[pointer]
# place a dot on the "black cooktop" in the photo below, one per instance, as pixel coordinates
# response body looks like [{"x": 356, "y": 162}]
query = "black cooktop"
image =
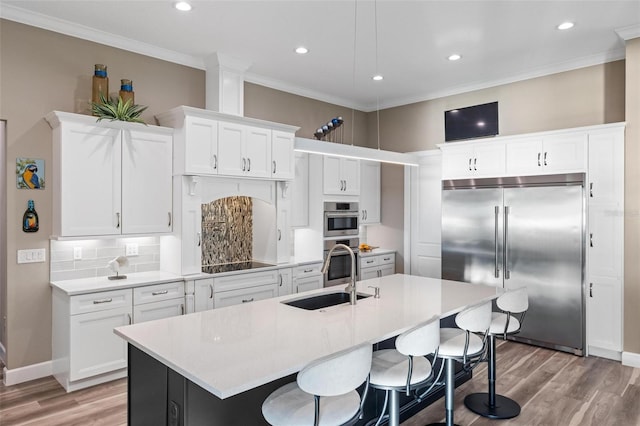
[{"x": 235, "y": 266}]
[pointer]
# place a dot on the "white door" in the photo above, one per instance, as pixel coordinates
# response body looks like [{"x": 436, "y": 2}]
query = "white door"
[
  {"x": 604, "y": 325},
  {"x": 257, "y": 151},
  {"x": 300, "y": 191},
  {"x": 191, "y": 250},
  {"x": 457, "y": 162},
  {"x": 90, "y": 176},
  {"x": 370, "y": 192},
  {"x": 604, "y": 241},
  {"x": 489, "y": 160},
  {"x": 524, "y": 157},
  {"x": 146, "y": 182},
  {"x": 332, "y": 180},
  {"x": 158, "y": 310},
  {"x": 282, "y": 159},
  {"x": 606, "y": 167},
  {"x": 283, "y": 231},
  {"x": 350, "y": 173},
  {"x": 95, "y": 348},
  {"x": 368, "y": 273},
  {"x": 565, "y": 153},
  {"x": 285, "y": 281},
  {"x": 230, "y": 149},
  {"x": 201, "y": 146},
  {"x": 203, "y": 291},
  {"x": 387, "y": 270},
  {"x": 308, "y": 283}
]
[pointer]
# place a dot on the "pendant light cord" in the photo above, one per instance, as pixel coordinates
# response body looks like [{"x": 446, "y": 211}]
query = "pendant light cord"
[
  {"x": 355, "y": 35},
  {"x": 375, "y": 14}
]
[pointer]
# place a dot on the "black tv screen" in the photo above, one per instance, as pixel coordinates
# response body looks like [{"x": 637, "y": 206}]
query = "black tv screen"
[{"x": 471, "y": 122}]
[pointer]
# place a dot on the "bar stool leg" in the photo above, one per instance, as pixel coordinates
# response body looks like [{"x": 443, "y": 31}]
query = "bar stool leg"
[
  {"x": 448, "y": 393},
  {"x": 489, "y": 404},
  {"x": 394, "y": 408}
]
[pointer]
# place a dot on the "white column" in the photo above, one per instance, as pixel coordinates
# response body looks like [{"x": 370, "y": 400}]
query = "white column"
[{"x": 225, "y": 84}]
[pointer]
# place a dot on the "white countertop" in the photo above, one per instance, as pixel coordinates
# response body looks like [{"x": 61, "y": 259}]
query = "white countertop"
[
  {"x": 375, "y": 252},
  {"x": 231, "y": 350},
  {"x": 96, "y": 284}
]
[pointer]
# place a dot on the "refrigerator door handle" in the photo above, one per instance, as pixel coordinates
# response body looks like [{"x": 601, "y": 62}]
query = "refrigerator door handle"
[
  {"x": 507, "y": 274},
  {"x": 497, "y": 213}
]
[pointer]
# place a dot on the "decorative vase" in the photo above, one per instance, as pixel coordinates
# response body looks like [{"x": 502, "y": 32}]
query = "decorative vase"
[
  {"x": 100, "y": 83},
  {"x": 126, "y": 91}
]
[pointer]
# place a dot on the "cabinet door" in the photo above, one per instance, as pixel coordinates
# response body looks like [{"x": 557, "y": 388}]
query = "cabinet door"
[
  {"x": 158, "y": 310},
  {"x": 201, "y": 146},
  {"x": 489, "y": 160},
  {"x": 90, "y": 180},
  {"x": 191, "y": 235},
  {"x": 524, "y": 157},
  {"x": 606, "y": 167},
  {"x": 230, "y": 149},
  {"x": 257, "y": 152},
  {"x": 308, "y": 283},
  {"x": 245, "y": 295},
  {"x": 604, "y": 319},
  {"x": 370, "y": 192},
  {"x": 350, "y": 173},
  {"x": 565, "y": 153},
  {"x": 95, "y": 349},
  {"x": 457, "y": 162},
  {"x": 387, "y": 270},
  {"x": 332, "y": 180},
  {"x": 285, "y": 283},
  {"x": 605, "y": 241},
  {"x": 203, "y": 295},
  {"x": 368, "y": 273},
  {"x": 282, "y": 159},
  {"x": 146, "y": 182},
  {"x": 283, "y": 231},
  {"x": 300, "y": 192}
]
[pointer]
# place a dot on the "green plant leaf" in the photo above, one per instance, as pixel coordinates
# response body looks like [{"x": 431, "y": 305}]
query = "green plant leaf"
[{"x": 116, "y": 109}]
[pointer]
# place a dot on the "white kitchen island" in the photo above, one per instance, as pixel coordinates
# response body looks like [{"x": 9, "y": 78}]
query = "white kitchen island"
[{"x": 239, "y": 353}]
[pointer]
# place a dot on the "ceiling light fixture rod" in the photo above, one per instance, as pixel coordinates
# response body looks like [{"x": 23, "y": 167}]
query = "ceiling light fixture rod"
[
  {"x": 375, "y": 17},
  {"x": 355, "y": 36}
]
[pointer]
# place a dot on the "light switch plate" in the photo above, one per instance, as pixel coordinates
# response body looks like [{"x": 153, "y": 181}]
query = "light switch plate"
[
  {"x": 31, "y": 256},
  {"x": 131, "y": 249}
]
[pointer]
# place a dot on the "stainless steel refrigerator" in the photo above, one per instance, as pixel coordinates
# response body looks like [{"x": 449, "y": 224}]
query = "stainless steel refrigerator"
[{"x": 522, "y": 232}]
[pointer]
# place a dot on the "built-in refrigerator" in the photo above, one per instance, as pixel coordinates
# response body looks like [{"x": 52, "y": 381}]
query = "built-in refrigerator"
[{"x": 522, "y": 232}]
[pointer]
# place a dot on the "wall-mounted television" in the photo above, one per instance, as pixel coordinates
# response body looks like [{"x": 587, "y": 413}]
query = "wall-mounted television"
[{"x": 476, "y": 121}]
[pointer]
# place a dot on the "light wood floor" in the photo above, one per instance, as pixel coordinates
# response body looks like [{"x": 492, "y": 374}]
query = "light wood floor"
[{"x": 553, "y": 388}]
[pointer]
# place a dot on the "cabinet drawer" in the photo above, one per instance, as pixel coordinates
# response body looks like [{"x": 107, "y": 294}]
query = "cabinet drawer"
[
  {"x": 155, "y": 293},
  {"x": 158, "y": 310},
  {"x": 240, "y": 281},
  {"x": 387, "y": 259},
  {"x": 305, "y": 270},
  {"x": 94, "y": 302},
  {"x": 369, "y": 261},
  {"x": 245, "y": 295}
]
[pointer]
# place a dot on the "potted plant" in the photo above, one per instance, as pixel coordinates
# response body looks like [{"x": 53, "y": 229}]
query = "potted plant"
[{"x": 116, "y": 109}]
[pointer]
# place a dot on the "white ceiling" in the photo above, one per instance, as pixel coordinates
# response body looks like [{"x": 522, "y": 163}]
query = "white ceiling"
[{"x": 500, "y": 41}]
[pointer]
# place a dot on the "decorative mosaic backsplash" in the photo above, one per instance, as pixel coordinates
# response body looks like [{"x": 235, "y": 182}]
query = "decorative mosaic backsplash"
[{"x": 227, "y": 230}]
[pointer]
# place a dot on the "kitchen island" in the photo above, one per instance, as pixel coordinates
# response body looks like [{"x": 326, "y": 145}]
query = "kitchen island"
[{"x": 217, "y": 366}]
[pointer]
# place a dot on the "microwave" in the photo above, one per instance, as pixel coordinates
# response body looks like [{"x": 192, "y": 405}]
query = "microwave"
[{"x": 341, "y": 219}]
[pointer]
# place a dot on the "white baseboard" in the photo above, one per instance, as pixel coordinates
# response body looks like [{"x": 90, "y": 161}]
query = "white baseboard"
[
  {"x": 631, "y": 359},
  {"x": 25, "y": 374},
  {"x": 604, "y": 353}
]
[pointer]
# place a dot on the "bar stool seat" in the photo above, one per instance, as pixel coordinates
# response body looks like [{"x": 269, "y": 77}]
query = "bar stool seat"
[
  {"x": 324, "y": 392},
  {"x": 452, "y": 343}
]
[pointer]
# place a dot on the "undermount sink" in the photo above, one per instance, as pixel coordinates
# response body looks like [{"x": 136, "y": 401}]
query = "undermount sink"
[{"x": 325, "y": 300}]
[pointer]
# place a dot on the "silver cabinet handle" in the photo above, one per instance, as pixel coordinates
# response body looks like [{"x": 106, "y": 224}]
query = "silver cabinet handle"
[
  {"x": 247, "y": 300},
  {"x": 362, "y": 214},
  {"x": 470, "y": 164},
  {"x": 129, "y": 318},
  {"x": 591, "y": 239},
  {"x": 97, "y": 302},
  {"x": 181, "y": 309},
  {"x": 169, "y": 219},
  {"x": 215, "y": 161},
  {"x": 210, "y": 291},
  {"x": 199, "y": 240},
  {"x": 507, "y": 273},
  {"x": 539, "y": 154},
  {"x": 545, "y": 159},
  {"x": 306, "y": 271},
  {"x": 244, "y": 164},
  {"x": 279, "y": 235},
  {"x": 366, "y": 214},
  {"x": 369, "y": 261},
  {"x": 118, "y": 220},
  {"x": 274, "y": 166},
  {"x": 495, "y": 239},
  {"x": 345, "y": 185},
  {"x": 248, "y": 164},
  {"x": 158, "y": 293},
  {"x": 280, "y": 285},
  {"x": 591, "y": 190},
  {"x": 590, "y": 289},
  {"x": 386, "y": 259},
  {"x": 475, "y": 160}
]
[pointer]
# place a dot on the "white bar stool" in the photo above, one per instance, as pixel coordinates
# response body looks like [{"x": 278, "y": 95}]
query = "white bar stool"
[
  {"x": 406, "y": 367},
  {"x": 504, "y": 323},
  {"x": 324, "y": 393},
  {"x": 460, "y": 344}
]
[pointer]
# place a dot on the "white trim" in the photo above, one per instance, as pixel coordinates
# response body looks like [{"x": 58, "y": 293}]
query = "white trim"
[
  {"x": 630, "y": 32},
  {"x": 631, "y": 359},
  {"x": 313, "y": 146},
  {"x": 27, "y": 373},
  {"x": 408, "y": 172},
  {"x": 605, "y": 353}
]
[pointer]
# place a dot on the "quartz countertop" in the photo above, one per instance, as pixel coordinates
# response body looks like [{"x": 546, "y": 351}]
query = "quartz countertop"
[
  {"x": 231, "y": 350},
  {"x": 375, "y": 252},
  {"x": 96, "y": 284}
]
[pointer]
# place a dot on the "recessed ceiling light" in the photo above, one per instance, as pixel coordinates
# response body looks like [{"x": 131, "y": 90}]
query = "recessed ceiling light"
[
  {"x": 377, "y": 77},
  {"x": 565, "y": 25},
  {"x": 183, "y": 6},
  {"x": 301, "y": 50},
  {"x": 454, "y": 57}
]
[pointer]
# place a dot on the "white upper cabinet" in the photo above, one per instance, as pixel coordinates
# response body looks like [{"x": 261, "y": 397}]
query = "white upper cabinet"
[
  {"x": 560, "y": 153},
  {"x": 369, "y": 192},
  {"x": 212, "y": 143},
  {"x": 282, "y": 157},
  {"x": 341, "y": 176},
  {"x": 300, "y": 191},
  {"x": 110, "y": 178},
  {"x": 473, "y": 160}
]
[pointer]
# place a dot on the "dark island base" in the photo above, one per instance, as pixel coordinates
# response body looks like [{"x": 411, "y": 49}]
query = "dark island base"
[{"x": 158, "y": 396}]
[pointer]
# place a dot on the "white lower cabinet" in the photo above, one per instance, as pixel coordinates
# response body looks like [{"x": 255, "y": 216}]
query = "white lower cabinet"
[
  {"x": 158, "y": 310},
  {"x": 244, "y": 288},
  {"x": 244, "y": 295},
  {"x": 376, "y": 266},
  {"x": 307, "y": 277},
  {"x": 158, "y": 301},
  {"x": 285, "y": 281},
  {"x": 203, "y": 295}
]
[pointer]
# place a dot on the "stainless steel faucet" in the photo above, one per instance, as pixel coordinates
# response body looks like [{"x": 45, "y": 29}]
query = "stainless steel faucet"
[{"x": 351, "y": 288}]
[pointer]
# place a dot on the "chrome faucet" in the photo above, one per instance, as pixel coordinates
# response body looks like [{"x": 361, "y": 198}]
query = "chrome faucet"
[{"x": 351, "y": 288}]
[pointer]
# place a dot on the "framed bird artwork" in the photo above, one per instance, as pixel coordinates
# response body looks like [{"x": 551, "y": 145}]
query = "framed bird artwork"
[{"x": 29, "y": 173}]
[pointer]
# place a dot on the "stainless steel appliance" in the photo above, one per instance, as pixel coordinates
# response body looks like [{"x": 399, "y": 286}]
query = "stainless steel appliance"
[
  {"x": 339, "y": 271},
  {"x": 340, "y": 219},
  {"x": 522, "y": 232}
]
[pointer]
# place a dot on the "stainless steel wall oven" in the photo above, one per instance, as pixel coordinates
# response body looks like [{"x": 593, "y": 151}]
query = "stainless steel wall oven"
[{"x": 340, "y": 266}]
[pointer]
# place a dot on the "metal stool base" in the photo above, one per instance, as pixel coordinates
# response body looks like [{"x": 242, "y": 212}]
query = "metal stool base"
[
  {"x": 441, "y": 424},
  {"x": 504, "y": 408}
]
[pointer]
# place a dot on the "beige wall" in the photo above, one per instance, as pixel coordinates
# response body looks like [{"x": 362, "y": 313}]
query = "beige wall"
[
  {"x": 41, "y": 71},
  {"x": 632, "y": 201}
]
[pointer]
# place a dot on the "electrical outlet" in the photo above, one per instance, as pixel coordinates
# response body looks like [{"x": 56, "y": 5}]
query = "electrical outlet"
[
  {"x": 77, "y": 253},
  {"x": 131, "y": 249}
]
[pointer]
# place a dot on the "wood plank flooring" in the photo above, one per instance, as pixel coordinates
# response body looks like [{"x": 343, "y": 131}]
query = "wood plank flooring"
[{"x": 553, "y": 388}]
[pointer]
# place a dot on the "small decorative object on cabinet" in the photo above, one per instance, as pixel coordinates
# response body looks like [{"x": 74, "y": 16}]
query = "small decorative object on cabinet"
[
  {"x": 30, "y": 222},
  {"x": 100, "y": 83},
  {"x": 117, "y": 109}
]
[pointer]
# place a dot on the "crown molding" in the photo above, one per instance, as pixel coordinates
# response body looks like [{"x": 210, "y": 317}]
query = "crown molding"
[
  {"x": 61, "y": 26},
  {"x": 628, "y": 33}
]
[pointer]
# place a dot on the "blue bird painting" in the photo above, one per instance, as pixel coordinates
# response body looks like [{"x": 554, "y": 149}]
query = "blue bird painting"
[
  {"x": 30, "y": 177},
  {"x": 30, "y": 173}
]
